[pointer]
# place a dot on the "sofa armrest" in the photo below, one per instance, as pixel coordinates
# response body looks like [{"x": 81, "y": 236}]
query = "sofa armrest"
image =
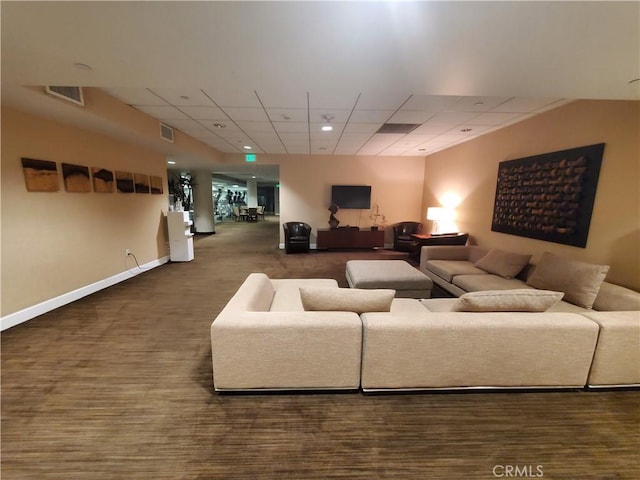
[
  {"x": 617, "y": 358},
  {"x": 286, "y": 350},
  {"x": 451, "y": 252}
]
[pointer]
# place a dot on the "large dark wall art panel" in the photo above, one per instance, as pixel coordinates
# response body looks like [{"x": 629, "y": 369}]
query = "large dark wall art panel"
[{"x": 550, "y": 196}]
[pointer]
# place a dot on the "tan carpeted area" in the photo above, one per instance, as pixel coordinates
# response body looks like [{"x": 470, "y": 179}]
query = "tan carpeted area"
[{"x": 118, "y": 386}]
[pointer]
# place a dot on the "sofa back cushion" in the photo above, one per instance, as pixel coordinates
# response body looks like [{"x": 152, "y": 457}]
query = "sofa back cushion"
[
  {"x": 520, "y": 300},
  {"x": 502, "y": 263},
  {"x": 616, "y": 298},
  {"x": 579, "y": 281},
  {"x": 254, "y": 295},
  {"x": 346, "y": 299}
]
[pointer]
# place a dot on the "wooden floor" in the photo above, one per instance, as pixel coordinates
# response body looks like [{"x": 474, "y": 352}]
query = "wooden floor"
[{"x": 118, "y": 386}]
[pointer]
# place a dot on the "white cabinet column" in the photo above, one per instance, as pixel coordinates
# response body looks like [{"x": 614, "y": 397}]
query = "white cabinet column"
[
  {"x": 180, "y": 237},
  {"x": 252, "y": 193},
  {"x": 203, "y": 214}
]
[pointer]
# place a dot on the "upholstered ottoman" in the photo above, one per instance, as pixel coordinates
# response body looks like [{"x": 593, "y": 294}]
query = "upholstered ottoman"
[{"x": 407, "y": 281}]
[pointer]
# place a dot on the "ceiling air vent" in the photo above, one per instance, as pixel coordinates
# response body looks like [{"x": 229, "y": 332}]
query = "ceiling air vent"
[
  {"x": 166, "y": 132},
  {"x": 71, "y": 94},
  {"x": 398, "y": 127}
]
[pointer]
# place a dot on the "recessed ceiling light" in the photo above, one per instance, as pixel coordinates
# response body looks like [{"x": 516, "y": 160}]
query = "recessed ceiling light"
[
  {"x": 83, "y": 66},
  {"x": 247, "y": 147},
  {"x": 171, "y": 162},
  {"x": 253, "y": 176},
  {"x": 219, "y": 125},
  {"x": 327, "y": 128}
]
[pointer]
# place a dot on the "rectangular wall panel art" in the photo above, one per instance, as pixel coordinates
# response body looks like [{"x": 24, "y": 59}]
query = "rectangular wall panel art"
[
  {"x": 103, "y": 180},
  {"x": 124, "y": 182},
  {"x": 156, "y": 185},
  {"x": 76, "y": 178},
  {"x": 141, "y": 182},
  {"x": 40, "y": 175},
  {"x": 549, "y": 196}
]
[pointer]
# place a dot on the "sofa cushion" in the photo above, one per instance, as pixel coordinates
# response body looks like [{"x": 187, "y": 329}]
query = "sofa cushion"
[
  {"x": 476, "y": 283},
  {"x": 614, "y": 297},
  {"x": 521, "y": 300},
  {"x": 502, "y": 263},
  {"x": 346, "y": 299},
  {"x": 579, "y": 281},
  {"x": 287, "y": 295},
  {"x": 448, "y": 269}
]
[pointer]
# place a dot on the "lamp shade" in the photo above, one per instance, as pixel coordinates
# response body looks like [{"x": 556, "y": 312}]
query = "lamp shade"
[{"x": 442, "y": 219}]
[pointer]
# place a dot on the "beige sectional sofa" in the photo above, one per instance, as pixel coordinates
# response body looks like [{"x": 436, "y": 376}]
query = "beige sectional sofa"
[{"x": 264, "y": 339}]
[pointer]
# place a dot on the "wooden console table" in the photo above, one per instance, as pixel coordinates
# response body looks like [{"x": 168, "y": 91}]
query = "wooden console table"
[{"x": 349, "y": 238}]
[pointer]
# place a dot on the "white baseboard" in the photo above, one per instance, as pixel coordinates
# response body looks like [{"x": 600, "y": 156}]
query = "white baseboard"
[{"x": 28, "y": 313}]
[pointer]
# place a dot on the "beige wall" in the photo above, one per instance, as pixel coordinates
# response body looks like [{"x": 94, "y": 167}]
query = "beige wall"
[
  {"x": 305, "y": 188},
  {"x": 470, "y": 171},
  {"x": 53, "y": 243}
]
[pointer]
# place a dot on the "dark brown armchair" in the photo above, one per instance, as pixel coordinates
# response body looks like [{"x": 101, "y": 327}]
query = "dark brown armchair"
[
  {"x": 402, "y": 231},
  {"x": 297, "y": 237}
]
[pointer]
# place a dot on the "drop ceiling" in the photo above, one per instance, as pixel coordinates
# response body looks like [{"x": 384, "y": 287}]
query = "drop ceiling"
[{"x": 268, "y": 75}]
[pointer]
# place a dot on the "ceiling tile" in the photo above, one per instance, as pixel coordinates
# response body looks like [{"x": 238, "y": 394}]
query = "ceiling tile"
[
  {"x": 332, "y": 98},
  {"x": 431, "y": 103},
  {"x": 298, "y": 149},
  {"x": 410, "y": 117},
  {"x": 291, "y": 127},
  {"x": 335, "y": 116},
  {"x": 477, "y": 104},
  {"x": 371, "y": 116},
  {"x": 385, "y": 139},
  {"x": 255, "y": 127},
  {"x": 232, "y": 97},
  {"x": 205, "y": 113},
  {"x": 359, "y": 138},
  {"x": 283, "y": 99},
  {"x": 288, "y": 114},
  {"x": 381, "y": 101},
  {"x": 523, "y": 105},
  {"x": 450, "y": 118},
  {"x": 246, "y": 113},
  {"x": 431, "y": 129},
  {"x": 493, "y": 118},
  {"x": 370, "y": 128},
  {"x": 176, "y": 96},
  {"x": 290, "y": 137},
  {"x": 162, "y": 112},
  {"x": 371, "y": 149},
  {"x": 135, "y": 96}
]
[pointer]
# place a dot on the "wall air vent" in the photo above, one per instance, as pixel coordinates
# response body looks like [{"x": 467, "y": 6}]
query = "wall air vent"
[
  {"x": 398, "y": 127},
  {"x": 166, "y": 132},
  {"x": 71, "y": 94}
]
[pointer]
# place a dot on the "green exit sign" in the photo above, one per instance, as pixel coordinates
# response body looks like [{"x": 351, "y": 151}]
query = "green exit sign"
[{"x": 249, "y": 157}]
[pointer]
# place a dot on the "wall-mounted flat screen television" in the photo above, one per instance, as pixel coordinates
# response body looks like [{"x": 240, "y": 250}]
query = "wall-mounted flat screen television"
[{"x": 351, "y": 196}]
